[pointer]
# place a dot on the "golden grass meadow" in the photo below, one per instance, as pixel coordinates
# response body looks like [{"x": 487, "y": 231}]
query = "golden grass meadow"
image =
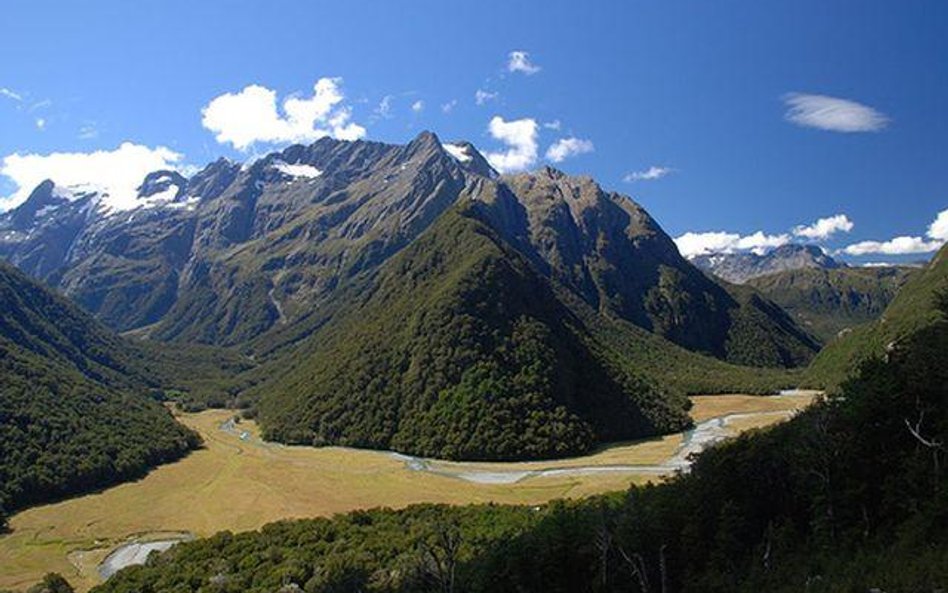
[{"x": 236, "y": 482}]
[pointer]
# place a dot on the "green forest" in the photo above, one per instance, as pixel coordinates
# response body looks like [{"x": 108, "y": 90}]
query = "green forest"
[
  {"x": 461, "y": 351},
  {"x": 850, "y": 495},
  {"x": 77, "y": 412}
]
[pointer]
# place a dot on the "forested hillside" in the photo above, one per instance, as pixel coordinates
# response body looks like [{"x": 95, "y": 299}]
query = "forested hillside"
[
  {"x": 460, "y": 350},
  {"x": 75, "y": 406},
  {"x": 829, "y": 301},
  {"x": 848, "y": 496},
  {"x": 912, "y": 308}
]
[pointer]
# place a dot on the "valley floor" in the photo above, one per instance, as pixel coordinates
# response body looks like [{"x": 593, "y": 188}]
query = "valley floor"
[{"x": 238, "y": 482}]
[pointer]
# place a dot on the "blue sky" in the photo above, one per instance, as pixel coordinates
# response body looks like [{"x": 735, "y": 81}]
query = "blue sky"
[{"x": 698, "y": 92}]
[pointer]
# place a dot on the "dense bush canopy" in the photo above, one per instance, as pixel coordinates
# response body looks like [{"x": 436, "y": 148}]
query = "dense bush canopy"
[{"x": 851, "y": 495}]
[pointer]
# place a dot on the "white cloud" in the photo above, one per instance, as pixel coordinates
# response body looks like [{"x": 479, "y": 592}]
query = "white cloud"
[
  {"x": 652, "y": 173},
  {"x": 449, "y": 106},
  {"x": 692, "y": 244},
  {"x": 418, "y": 106},
  {"x": 481, "y": 96},
  {"x": 520, "y": 136},
  {"x": 937, "y": 235},
  {"x": 117, "y": 172},
  {"x": 567, "y": 147},
  {"x": 553, "y": 125},
  {"x": 9, "y": 94},
  {"x": 384, "y": 110},
  {"x": 824, "y": 227},
  {"x": 88, "y": 132},
  {"x": 833, "y": 114},
  {"x": 519, "y": 61},
  {"x": 40, "y": 123},
  {"x": 938, "y": 229},
  {"x": 251, "y": 116},
  {"x": 896, "y": 246}
]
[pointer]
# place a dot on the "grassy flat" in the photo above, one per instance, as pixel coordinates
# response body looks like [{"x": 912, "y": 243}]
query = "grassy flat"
[{"x": 239, "y": 484}]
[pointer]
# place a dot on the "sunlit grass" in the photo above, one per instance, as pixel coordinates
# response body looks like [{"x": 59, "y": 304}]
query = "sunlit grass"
[{"x": 240, "y": 484}]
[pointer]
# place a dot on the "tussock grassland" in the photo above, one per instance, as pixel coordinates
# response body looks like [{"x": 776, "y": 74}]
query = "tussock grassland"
[{"x": 239, "y": 484}]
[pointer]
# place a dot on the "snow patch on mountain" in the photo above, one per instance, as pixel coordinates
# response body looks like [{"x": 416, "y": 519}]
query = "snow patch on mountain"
[
  {"x": 298, "y": 170},
  {"x": 458, "y": 152}
]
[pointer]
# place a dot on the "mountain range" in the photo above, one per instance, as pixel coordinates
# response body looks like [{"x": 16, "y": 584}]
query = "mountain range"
[
  {"x": 823, "y": 295},
  {"x": 384, "y": 292},
  {"x": 918, "y": 304},
  {"x": 828, "y": 302},
  {"x": 741, "y": 267}
]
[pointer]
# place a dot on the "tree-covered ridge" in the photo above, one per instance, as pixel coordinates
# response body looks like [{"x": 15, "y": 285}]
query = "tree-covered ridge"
[
  {"x": 912, "y": 308},
  {"x": 848, "y": 496},
  {"x": 828, "y": 301},
  {"x": 458, "y": 349},
  {"x": 75, "y": 412}
]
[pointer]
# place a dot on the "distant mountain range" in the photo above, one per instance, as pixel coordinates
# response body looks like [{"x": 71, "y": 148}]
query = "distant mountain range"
[
  {"x": 408, "y": 296},
  {"x": 824, "y": 295},
  {"x": 920, "y": 302},
  {"x": 740, "y": 267},
  {"x": 829, "y": 301}
]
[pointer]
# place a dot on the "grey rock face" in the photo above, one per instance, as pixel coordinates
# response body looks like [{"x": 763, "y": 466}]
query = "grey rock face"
[
  {"x": 235, "y": 251},
  {"x": 738, "y": 268}
]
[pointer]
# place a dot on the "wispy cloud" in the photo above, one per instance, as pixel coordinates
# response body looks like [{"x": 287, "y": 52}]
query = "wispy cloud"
[
  {"x": 553, "y": 125},
  {"x": 40, "y": 123},
  {"x": 832, "y": 113},
  {"x": 520, "y": 137},
  {"x": 824, "y": 227},
  {"x": 449, "y": 106},
  {"x": 88, "y": 131},
  {"x": 564, "y": 148},
  {"x": 251, "y": 116},
  {"x": 418, "y": 106},
  {"x": 651, "y": 174},
  {"x": 481, "y": 96},
  {"x": 44, "y": 104},
  {"x": 519, "y": 61},
  {"x": 9, "y": 94},
  {"x": 384, "y": 108}
]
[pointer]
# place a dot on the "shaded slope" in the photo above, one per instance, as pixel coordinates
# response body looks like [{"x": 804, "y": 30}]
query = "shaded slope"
[
  {"x": 840, "y": 498},
  {"x": 74, "y": 411},
  {"x": 237, "y": 252},
  {"x": 914, "y": 307},
  {"x": 459, "y": 350},
  {"x": 273, "y": 247},
  {"x": 828, "y": 301},
  {"x": 607, "y": 249}
]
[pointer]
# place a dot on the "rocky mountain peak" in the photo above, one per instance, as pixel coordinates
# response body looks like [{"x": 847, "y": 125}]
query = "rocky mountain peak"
[
  {"x": 551, "y": 172},
  {"x": 424, "y": 143},
  {"x": 738, "y": 268},
  {"x": 169, "y": 184},
  {"x": 470, "y": 159},
  {"x": 211, "y": 181},
  {"x": 46, "y": 197}
]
